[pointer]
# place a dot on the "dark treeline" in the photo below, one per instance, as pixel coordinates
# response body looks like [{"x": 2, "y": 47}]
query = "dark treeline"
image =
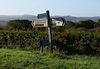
[{"x": 26, "y": 25}]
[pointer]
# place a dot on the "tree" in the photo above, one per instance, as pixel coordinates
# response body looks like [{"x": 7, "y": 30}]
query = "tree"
[
  {"x": 1, "y": 28},
  {"x": 19, "y": 24},
  {"x": 70, "y": 24},
  {"x": 97, "y": 23},
  {"x": 88, "y": 24}
]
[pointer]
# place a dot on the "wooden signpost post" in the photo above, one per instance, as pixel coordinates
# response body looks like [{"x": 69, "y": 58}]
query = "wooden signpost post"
[{"x": 49, "y": 31}]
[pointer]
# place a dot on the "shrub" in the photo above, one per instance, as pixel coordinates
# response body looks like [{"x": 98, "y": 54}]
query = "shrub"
[{"x": 70, "y": 41}]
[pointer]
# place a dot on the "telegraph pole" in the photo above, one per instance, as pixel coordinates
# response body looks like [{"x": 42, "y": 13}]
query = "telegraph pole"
[{"x": 49, "y": 31}]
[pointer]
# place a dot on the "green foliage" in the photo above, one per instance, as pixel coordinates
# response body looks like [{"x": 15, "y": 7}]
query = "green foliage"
[
  {"x": 19, "y": 24},
  {"x": 87, "y": 24},
  {"x": 26, "y": 25},
  {"x": 70, "y": 41},
  {"x": 98, "y": 23},
  {"x": 18, "y": 59},
  {"x": 70, "y": 24},
  {"x": 18, "y": 39}
]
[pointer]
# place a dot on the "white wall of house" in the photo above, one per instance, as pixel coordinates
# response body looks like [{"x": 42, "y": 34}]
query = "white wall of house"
[{"x": 57, "y": 23}]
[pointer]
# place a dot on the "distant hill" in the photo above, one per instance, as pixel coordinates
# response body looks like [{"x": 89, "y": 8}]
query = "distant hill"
[
  {"x": 5, "y": 18},
  {"x": 77, "y": 19},
  {"x": 12, "y": 17}
]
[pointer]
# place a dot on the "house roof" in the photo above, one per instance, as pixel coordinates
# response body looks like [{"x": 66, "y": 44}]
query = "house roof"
[{"x": 59, "y": 19}]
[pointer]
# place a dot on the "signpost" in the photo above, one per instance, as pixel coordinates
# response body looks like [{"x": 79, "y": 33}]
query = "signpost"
[
  {"x": 40, "y": 23},
  {"x": 44, "y": 21}
]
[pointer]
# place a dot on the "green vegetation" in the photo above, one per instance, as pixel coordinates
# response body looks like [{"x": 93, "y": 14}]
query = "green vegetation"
[
  {"x": 82, "y": 38},
  {"x": 19, "y": 25},
  {"x": 74, "y": 42},
  {"x": 18, "y": 59},
  {"x": 26, "y": 25}
]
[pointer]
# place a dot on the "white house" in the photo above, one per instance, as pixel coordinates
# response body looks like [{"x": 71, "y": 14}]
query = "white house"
[{"x": 57, "y": 22}]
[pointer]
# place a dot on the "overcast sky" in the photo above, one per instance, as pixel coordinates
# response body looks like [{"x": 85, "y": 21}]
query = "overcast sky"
[{"x": 56, "y": 7}]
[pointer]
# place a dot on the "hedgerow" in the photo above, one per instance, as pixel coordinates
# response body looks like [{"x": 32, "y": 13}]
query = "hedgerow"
[{"x": 70, "y": 41}]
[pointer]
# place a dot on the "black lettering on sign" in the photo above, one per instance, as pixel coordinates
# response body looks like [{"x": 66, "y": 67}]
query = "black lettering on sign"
[{"x": 39, "y": 24}]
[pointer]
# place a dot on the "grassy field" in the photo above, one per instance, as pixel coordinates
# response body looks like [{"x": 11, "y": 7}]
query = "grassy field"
[{"x": 19, "y": 59}]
